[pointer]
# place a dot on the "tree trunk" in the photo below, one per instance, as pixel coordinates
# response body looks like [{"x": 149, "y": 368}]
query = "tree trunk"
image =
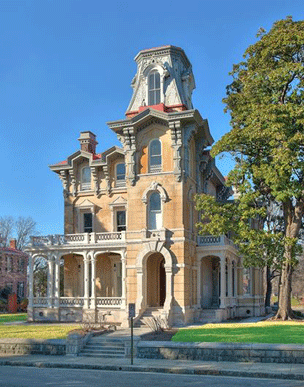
[
  {"x": 268, "y": 287},
  {"x": 292, "y": 222},
  {"x": 285, "y": 312}
]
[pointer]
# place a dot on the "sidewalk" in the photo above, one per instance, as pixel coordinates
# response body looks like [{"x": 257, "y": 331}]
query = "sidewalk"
[{"x": 256, "y": 370}]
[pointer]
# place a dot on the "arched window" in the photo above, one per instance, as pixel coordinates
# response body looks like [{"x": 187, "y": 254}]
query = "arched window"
[
  {"x": 155, "y": 156},
  {"x": 154, "y": 212},
  {"x": 120, "y": 175},
  {"x": 85, "y": 178},
  {"x": 154, "y": 88}
]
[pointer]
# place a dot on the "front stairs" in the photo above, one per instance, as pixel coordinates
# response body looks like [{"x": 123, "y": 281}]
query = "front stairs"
[{"x": 102, "y": 346}]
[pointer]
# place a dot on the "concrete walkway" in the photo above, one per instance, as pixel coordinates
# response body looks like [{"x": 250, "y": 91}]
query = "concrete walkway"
[{"x": 257, "y": 370}]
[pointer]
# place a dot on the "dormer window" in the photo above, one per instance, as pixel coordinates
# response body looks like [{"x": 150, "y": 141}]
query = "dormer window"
[
  {"x": 154, "y": 88},
  {"x": 155, "y": 156},
  {"x": 86, "y": 178},
  {"x": 120, "y": 175}
]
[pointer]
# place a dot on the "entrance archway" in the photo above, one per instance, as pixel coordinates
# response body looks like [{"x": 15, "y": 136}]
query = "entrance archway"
[
  {"x": 210, "y": 281},
  {"x": 156, "y": 280}
]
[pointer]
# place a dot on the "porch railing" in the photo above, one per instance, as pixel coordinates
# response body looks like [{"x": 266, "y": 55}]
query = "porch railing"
[
  {"x": 78, "y": 239},
  {"x": 106, "y": 302},
  {"x": 71, "y": 301},
  {"x": 40, "y": 301},
  {"x": 211, "y": 240}
]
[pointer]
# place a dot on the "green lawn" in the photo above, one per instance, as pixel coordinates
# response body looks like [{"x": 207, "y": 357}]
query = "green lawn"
[
  {"x": 33, "y": 331},
  {"x": 280, "y": 332},
  {"x": 12, "y": 317}
]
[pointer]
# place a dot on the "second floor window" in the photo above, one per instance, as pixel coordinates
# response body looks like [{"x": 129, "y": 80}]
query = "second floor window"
[
  {"x": 155, "y": 214},
  {"x": 120, "y": 175},
  {"x": 121, "y": 220},
  {"x": 155, "y": 156},
  {"x": 86, "y": 178},
  {"x": 154, "y": 88},
  {"x": 87, "y": 222}
]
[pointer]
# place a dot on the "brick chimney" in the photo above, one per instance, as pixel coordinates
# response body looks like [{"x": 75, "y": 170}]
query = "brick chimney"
[
  {"x": 13, "y": 244},
  {"x": 88, "y": 142}
]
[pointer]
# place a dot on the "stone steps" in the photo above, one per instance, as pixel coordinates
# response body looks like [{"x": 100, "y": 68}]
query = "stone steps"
[{"x": 100, "y": 347}]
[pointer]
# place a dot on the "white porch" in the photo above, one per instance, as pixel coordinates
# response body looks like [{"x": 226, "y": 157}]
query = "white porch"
[{"x": 85, "y": 274}]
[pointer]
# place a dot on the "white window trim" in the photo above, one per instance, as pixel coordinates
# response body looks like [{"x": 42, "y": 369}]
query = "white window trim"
[
  {"x": 81, "y": 211},
  {"x": 162, "y": 71}
]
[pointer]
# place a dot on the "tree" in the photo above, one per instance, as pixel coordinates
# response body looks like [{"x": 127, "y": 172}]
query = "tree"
[
  {"x": 22, "y": 229},
  {"x": 25, "y": 227},
  {"x": 266, "y": 104},
  {"x": 6, "y": 230}
]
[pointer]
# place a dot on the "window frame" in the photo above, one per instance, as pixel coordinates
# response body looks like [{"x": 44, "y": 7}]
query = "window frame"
[
  {"x": 149, "y": 212},
  {"x": 88, "y": 185},
  {"x": 155, "y": 98},
  {"x": 156, "y": 168},
  {"x": 120, "y": 182}
]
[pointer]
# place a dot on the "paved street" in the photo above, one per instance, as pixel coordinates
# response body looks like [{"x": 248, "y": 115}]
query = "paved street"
[{"x": 45, "y": 377}]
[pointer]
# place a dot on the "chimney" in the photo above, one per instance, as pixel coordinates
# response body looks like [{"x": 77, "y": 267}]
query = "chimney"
[
  {"x": 13, "y": 244},
  {"x": 88, "y": 142}
]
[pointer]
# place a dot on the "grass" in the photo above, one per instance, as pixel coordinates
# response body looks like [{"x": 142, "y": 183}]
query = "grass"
[
  {"x": 275, "y": 332},
  {"x": 4, "y": 318},
  {"x": 33, "y": 331},
  {"x": 294, "y": 301}
]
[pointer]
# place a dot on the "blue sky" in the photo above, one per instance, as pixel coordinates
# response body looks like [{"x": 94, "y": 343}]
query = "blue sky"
[{"x": 66, "y": 66}]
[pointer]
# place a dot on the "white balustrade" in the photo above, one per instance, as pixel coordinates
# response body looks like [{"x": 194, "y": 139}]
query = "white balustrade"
[
  {"x": 106, "y": 302},
  {"x": 71, "y": 301},
  {"x": 211, "y": 240},
  {"x": 78, "y": 239},
  {"x": 40, "y": 301}
]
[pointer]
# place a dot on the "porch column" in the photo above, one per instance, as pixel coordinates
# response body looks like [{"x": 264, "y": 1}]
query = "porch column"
[
  {"x": 93, "y": 282},
  {"x": 50, "y": 278},
  {"x": 223, "y": 282},
  {"x": 169, "y": 286},
  {"x": 199, "y": 283},
  {"x": 123, "y": 280},
  {"x": 57, "y": 281},
  {"x": 86, "y": 277},
  {"x": 31, "y": 286},
  {"x": 140, "y": 290}
]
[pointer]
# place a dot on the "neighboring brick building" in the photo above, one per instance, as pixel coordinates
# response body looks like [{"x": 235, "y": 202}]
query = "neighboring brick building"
[
  {"x": 13, "y": 270},
  {"x": 129, "y": 216}
]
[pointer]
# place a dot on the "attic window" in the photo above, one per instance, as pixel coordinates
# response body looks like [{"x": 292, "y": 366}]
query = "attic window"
[
  {"x": 154, "y": 88},
  {"x": 86, "y": 178}
]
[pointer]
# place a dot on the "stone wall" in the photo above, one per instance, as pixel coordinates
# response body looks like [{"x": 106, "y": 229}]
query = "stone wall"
[
  {"x": 33, "y": 347},
  {"x": 243, "y": 352}
]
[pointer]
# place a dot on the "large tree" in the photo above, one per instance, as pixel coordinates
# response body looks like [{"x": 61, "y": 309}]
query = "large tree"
[
  {"x": 266, "y": 104},
  {"x": 21, "y": 228}
]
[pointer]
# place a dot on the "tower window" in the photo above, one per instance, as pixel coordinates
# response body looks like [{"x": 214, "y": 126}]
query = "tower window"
[
  {"x": 86, "y": 178},
  {"x": 154, "y": 88},
  {"x": 155, "y": 156}
]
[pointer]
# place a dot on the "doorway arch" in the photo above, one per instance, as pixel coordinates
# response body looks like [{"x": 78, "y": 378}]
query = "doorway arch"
[{"x": 156, "y": 280}]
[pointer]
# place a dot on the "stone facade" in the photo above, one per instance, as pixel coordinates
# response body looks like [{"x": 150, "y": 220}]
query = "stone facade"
[{"x": 129, "y": 216}]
